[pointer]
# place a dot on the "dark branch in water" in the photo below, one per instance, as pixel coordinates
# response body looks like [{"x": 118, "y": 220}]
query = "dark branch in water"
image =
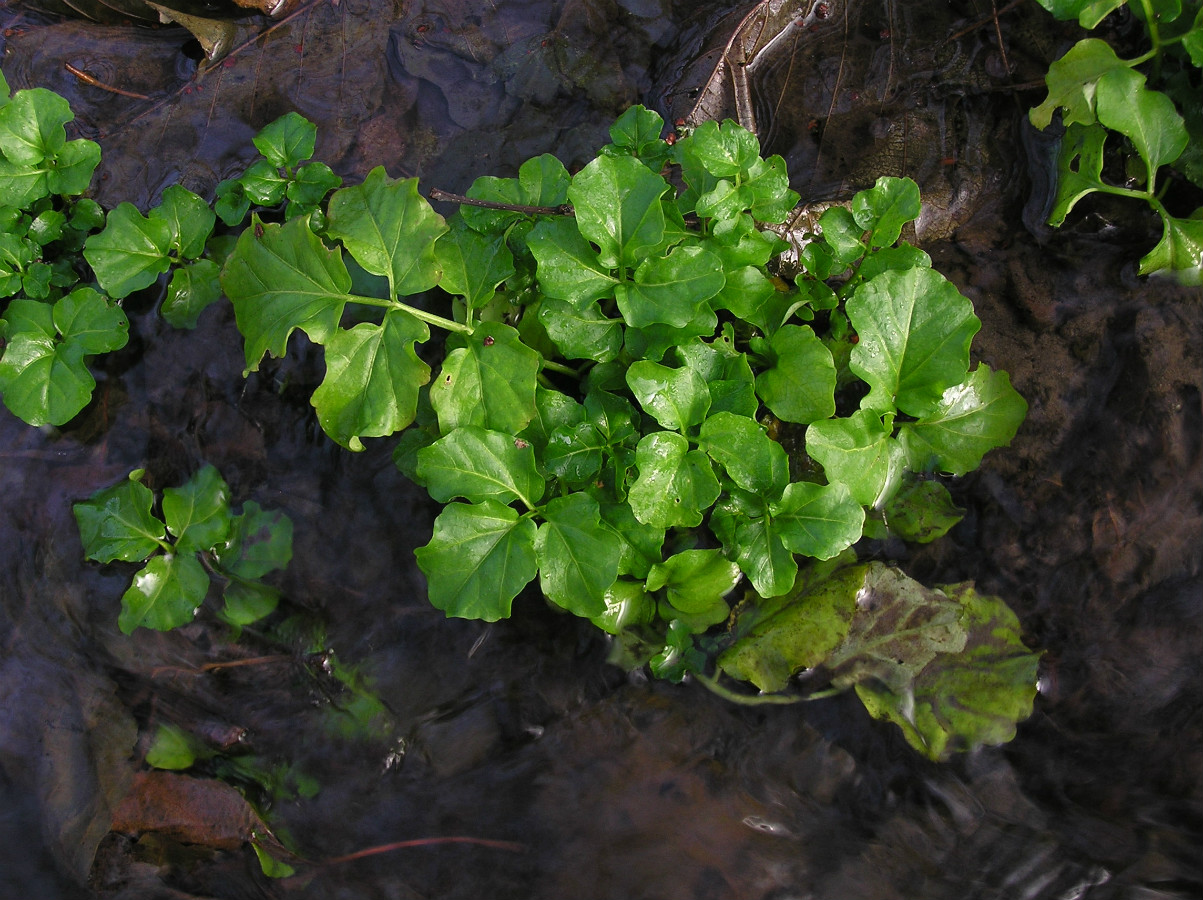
[
  {"x": 96, "y": 82},
  {"x": 564, "y": 209}
]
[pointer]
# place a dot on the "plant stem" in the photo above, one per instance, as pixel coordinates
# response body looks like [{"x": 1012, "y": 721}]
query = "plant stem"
[
  {"x": 1154, "y": 32},
  {"x": 421, "y": 314},
  {"x": 564, "y": 209},
  {"x": 561, "y": 368},
  {"x": 711, "y": 683}
]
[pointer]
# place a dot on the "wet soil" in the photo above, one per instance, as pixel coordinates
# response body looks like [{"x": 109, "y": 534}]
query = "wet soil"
[{"x": 1090, "y": 525}]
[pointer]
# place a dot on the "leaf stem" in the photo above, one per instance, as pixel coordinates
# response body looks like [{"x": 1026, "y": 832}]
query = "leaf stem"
[
  {"x": 711, "y": 683},
  {"x": 561, "y": 368},
  {"x": 564, "y": 209},
  {"x": 421, "y": 314}
]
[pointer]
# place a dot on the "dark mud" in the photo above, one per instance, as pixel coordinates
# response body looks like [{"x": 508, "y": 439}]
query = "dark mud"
[{"x": 1090, "y": 525}]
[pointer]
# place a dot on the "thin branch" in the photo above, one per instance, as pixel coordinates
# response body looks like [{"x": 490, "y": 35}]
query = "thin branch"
[
  {"x": 425, "y": 842},
  {"x": 97, "y": 83},
  {"x": 564, "y": 209}
]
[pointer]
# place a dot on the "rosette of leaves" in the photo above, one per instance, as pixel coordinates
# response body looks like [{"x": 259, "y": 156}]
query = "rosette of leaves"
[
  {"x": 196, "y": 536},
  {"x": 616, "y": 354},
  {"x": 1154, "y": 102},
  {"x": 51, "y": 325}
]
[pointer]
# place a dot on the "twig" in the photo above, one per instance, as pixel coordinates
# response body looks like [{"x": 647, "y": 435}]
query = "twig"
[
  {"x": 425, "y": 842},
  {"x": 564, "y": 209},
  {"x": 96, "y": 82}
]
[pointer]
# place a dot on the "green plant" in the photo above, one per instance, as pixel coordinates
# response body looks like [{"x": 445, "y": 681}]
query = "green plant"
[
  {"x": 206, "y": 537},
  {"x": 617, "y": 356},
  {"x": 1099, "y": 93},
  {"x": 52, "y": 323},
  {"x": 621, "y": 374}
]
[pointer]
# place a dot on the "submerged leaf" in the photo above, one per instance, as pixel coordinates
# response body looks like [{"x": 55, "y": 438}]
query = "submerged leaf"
[{"x": 968, "y": 699}]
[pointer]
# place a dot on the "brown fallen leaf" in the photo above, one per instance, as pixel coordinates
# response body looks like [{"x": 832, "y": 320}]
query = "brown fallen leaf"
[{"x": 190, "y": 810}]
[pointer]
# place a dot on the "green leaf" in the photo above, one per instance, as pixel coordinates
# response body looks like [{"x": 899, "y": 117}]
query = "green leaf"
[
  {"x": 42, "y": 373},
  {"x": 725, "y": 151},
  {"x": 967, "y": 699},
  {"x": 670, "y": 289},
  {"x": 31, "y": 125},
  {"x": 568, "y": 266},
  {"x": 750, "y": 537},
  {"x": 117, "y": 523},
  {"x": 1180, "y": 249},
  {"x": 309, "y": 186},
  {"x": 390, "y": 230},
  {"x": 189, "y": 218},
  {"x": 231, "y": 202},
  {"x": 676, "y": 398},
  {"x": 260, "y": 541},
  {"x": 675, "y": 484},
  {"x": 264, "y": 184},
  {"x": 800, "y": 385},
  {"x": 287, "y": 141},
  {"x": 1088, "y": 12},
  {"x": 694, "y": 580},
  {"x": 922, "y": 511},
  {"x": 23, "y": 184},
  {"x": 641, "y": 544},
  {"x": 915, "y": 328},
  {"x": 627, "y": 605},
  {"x": 843, "y": 237},
  {"x": 473, "y": 264},
  {"x": 281, "y": 280},
  {"x": 859, "y": 452},
  {"x": 819, "y": 521},
  {"x": 73, "y": 168},
  {"x": 90, "y": 323},
  {"x": 1072, "y": 81},
  {"x": 766, "y": 192},
  {"x": 802, "y": 632},
  {"x": 164, "y": 595},
  {"x": 490, "y": 382},
  {"x": 581, "y": 332},
  {"x": 193, "y": 289},
  {"x": 1079, "y": 168},
  {"x": 198, "y": 512},
  {"x": 637, "y": 131},
  {"x": 130, "y": 253},
  {"x": 477, "y": 464},
  {"x": 172, "y": 749},
  {"x": 747, "y": 454},
  {"x": 970, "y": 420},
  {"x": 542, "y": 181},
  {"x": 617, "y": 203},
  {"x": 1147, "y": 118},
  {"x": 372, "y": 378},
  {"x": 480, "y": 557},
  {"x": 725, "y": 370},
  {"x": 574, "y": 452},
  {"x": 578, "y": 556},
  {"x": 248, "y": 603},
  {"x": 885, "y": 208}
]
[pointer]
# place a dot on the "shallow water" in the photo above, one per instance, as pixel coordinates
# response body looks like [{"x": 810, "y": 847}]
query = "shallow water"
[{"x": 1089, "y": 525}]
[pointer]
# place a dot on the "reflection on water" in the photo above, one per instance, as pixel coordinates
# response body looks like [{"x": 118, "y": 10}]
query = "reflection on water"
[{"x": 1090, "y": 525}]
